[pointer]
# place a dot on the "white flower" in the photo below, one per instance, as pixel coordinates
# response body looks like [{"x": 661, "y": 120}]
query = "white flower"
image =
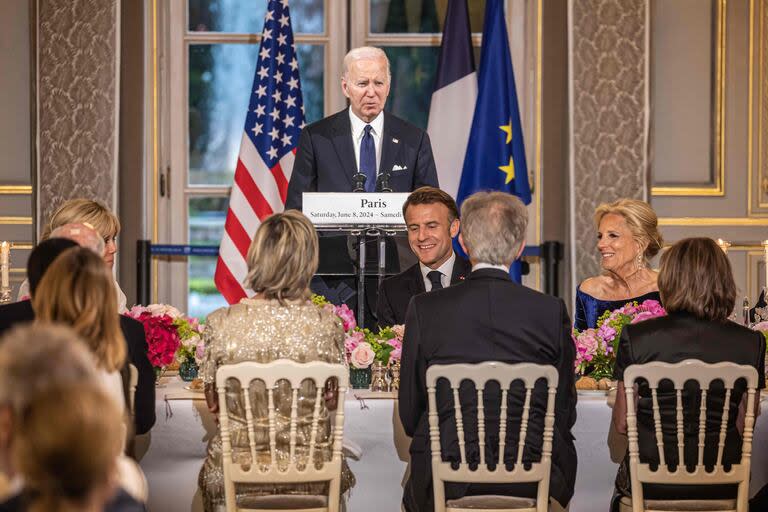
[
  {"x": 164, "y": 309},
  {"x": 362, "y": 356}
]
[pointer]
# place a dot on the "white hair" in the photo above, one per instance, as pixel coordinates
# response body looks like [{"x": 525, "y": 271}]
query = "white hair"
[
  {"x": 493, "y": 227},
  {"x": 365, "y": 53}
]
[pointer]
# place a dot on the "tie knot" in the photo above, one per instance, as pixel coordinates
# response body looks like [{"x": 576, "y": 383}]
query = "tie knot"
[
  {"x": 368, "y": 129},
  {"x": 434, "y": 278}
]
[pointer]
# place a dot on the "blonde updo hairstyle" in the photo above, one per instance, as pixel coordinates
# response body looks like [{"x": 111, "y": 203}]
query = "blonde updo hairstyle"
[
  {"x": 283, "y": 257},
  {"x": 78, "y": 290},
  {"x": 84, "y": 211},
  {"x": 68, "y": 441},
  {"x": 641, "y": 221}
]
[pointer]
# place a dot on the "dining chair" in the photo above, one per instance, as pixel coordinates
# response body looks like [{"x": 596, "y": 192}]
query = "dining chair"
[
  {"x": 298, "y": 468},
  {"x": 492, "y": 471},
  {"x": 678, "y": 374}
]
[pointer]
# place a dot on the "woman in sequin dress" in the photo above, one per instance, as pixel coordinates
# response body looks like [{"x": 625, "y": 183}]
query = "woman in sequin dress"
[
  {"x": 279, "y": 322},
  {"x": 627, "y": 237}
]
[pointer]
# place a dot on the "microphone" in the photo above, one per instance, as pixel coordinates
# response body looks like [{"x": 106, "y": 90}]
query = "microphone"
[
  {"x": 360, "y": 179},
  {"x": 383, "y": 182}
]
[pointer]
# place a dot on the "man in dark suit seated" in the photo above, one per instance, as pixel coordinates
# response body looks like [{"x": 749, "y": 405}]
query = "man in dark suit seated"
[
  {"x": 362, "y": 138},
  {"x": 488, "y": 317},
  {"x": 432, "y": 219},
  {"x": 21, "y": 312}
]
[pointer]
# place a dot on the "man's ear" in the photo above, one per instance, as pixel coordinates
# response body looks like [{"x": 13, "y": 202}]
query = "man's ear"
[
  {"x": 454, "y": 229},
  {"x": 520, "y": 251},
  {"x": 463, "y": 246},
  {"x": 344, "y": 86}
]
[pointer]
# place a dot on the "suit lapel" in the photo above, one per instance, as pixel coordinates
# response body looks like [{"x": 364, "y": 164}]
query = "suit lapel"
[
  {"x": 342, "y": 143},
  {"x": 415, "y": 281},
  {"x": 389, "y": 148},
  {"x": 461, "y": 269}
]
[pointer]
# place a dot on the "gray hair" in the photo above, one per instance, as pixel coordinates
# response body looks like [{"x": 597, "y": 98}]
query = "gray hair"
[
  {"x": 82, "y": 234},
  {"x": 365, "y": 53},
  {"x": 493, "y": 227},
  {"x": 38, "y": 357}
]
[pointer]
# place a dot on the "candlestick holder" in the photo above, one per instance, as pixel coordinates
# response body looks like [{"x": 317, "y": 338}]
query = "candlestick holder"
[{"x": 5, "y": 295}]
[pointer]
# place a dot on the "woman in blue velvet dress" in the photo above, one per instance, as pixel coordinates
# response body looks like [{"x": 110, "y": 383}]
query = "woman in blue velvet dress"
[{"x": 627, "y": 237}]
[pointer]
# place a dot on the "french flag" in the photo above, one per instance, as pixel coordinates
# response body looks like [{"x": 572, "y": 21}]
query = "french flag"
[{"x": 453, "y": 100}]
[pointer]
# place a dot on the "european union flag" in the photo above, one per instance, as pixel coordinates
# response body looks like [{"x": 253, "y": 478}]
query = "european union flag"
[{"x": 495, "y": 158}]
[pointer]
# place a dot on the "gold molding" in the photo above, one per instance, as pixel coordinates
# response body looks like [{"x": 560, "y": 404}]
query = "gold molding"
[
  {"x": 753, "y": 263},
  {"x": 718, "y": 189},
  {"x": 761, "y": 174},
  {"x": 16, "y": 189},
  {"x": 713, "y": 221},
  {"x": 537, "y": 148},
  {"x": 25, "y": 221}
]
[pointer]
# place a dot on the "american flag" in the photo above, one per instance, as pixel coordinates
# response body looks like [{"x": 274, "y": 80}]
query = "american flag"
[{"x": 272, "y": 125}]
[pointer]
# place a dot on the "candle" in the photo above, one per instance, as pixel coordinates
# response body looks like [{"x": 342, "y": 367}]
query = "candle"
[
  {"x": 724, "y": 245},
  {"x": 5, "y": 253},
  {"x": 765, "y": 260}
]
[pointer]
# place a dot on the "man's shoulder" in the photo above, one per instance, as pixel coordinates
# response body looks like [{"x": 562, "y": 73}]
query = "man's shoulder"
[
  {"x": 404, "y": 276},
  {"x": 327, "y": 124},
  {"x": 393, "y": 123},
  {"x": 15, "y": 313}
]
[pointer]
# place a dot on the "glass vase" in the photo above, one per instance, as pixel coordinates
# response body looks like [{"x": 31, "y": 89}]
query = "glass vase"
[
  {"x": 188, "y": 370},
  {"x": 360, "y": 378}
]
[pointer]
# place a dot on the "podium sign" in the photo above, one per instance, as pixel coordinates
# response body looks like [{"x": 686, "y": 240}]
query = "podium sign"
[{"x": 351, "y": 209}]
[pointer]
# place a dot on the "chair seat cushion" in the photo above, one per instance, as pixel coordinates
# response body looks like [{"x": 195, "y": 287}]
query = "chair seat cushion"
[
  {"x": 491, "y": 501},
  {"x": 682, "y": 505},
  {"x": 282, "y": 502}
]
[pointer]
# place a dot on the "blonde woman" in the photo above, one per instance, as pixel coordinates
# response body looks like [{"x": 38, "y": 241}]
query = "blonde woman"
[
  {"x": 278, "y": 322},
  {"x": 627, "y": 238},
  {"x": 93, "y": 215},
  {"x": 66, "y": 447}
]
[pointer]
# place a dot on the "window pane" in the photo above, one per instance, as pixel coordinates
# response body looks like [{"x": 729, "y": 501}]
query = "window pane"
[
  {"x": 206, "y": 225},
  {"x": 220, "y": 80},
  {"x": 413, "y": 78},
  {"x": 247, "y": 16},
  {"x": 418, "y": 16}
]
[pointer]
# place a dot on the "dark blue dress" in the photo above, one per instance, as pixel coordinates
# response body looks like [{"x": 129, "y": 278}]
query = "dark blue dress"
[{"x": 589, "y": 309}]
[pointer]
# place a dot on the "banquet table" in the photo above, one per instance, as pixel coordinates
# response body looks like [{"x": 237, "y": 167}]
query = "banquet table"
[{"x": 175, "y": 449}]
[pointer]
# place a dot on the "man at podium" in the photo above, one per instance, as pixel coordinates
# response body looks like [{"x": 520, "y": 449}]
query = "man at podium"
[{"x": 390, "y": 152}]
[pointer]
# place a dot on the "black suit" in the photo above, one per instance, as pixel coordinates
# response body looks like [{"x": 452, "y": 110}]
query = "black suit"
[
  {"x": 488, "y": 317},
  {"x": 121, "y": 502},
  {"x": 325, "y": 158},
  {"x": 674, "y": 338},
  {"x": 21, "y": 312},
  {"x": 395, "y": 292}
]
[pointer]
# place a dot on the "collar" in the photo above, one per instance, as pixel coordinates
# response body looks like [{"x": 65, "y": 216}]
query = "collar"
[
  {"x": 480, "y": 266},
  {"x": 446, "y": 268},
  {"x": 358, "y": 125}
]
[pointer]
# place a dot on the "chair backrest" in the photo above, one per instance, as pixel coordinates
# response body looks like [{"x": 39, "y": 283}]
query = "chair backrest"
[
  {"x": 480, "y": 374},
  {"x": 678, "y": 374},
  {"x": 133, "y": 381},
  {"x": 293, "y": 470}
]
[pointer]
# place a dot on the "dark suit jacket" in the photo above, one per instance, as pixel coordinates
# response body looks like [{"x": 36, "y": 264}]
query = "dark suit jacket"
[
  {"x": 325, "y": 158},
  {"x": 488, "y": 317},
  {"x": 395, "y": 292},
  {"x": 674, "y": 338},
  {"x": 21, "y": 312}
]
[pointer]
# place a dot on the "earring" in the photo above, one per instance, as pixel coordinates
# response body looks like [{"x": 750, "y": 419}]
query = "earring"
[{"x": 639, "y": 263}]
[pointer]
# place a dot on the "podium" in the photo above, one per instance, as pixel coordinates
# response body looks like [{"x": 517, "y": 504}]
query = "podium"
[{"x": 362, "y": 215}]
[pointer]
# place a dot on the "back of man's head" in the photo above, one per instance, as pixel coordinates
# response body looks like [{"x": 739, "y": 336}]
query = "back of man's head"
[
  {"x": 42, "y": 256},
  {"x": 493, "y": 227},
  {"x": 38, "y": 356},
  {"x": 82, "y": 234}
]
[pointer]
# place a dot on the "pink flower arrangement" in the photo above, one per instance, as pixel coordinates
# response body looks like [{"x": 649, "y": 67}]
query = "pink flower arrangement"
[
  {"x": 362, "y": 356},
  {"x": 169, "y": 333},
  {"x": 596, "y": 347}
]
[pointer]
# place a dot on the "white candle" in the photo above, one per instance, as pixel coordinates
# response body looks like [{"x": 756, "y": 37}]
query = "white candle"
[
  {"x": 765, "y": 260},
  {"x": 5, "y": 253}
]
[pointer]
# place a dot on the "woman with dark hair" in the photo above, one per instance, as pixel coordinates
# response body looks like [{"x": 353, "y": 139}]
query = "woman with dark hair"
[{"x": 699, "y": 293}]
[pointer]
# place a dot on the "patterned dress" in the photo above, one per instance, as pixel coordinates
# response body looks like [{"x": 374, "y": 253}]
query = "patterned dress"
[{"x": 264, "y": 331}]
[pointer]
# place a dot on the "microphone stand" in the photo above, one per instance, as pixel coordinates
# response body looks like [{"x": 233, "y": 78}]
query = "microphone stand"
[
  {"x": 383, "y": 184},
  {"x": 360, "y": 179}
]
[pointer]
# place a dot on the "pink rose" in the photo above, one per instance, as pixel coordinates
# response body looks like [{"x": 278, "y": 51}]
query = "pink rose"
[
  {"x": 347, "y": 317},
  {"x": 399, "y": 330},
  {"x": 645, "y": 315},
  {"x": 352, "y": 340},
  {"x": 362, "y": 356}
]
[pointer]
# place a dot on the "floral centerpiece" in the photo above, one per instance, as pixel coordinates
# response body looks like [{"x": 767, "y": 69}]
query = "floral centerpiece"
[
  {"x": 364, "y": 347},
  {"x": 171, "y": 337},
  {"x": 596, "y": 347}
]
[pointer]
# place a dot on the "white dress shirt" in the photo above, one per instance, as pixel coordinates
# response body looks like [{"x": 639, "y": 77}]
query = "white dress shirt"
[
  {"x": 446, "y": 271},
  {"x": 358, "y": 130},
  {"x": 480, "y": 266}
]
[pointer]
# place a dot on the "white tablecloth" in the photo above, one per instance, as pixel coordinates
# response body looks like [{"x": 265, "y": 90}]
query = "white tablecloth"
[{"x": 178, "y": 440}]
